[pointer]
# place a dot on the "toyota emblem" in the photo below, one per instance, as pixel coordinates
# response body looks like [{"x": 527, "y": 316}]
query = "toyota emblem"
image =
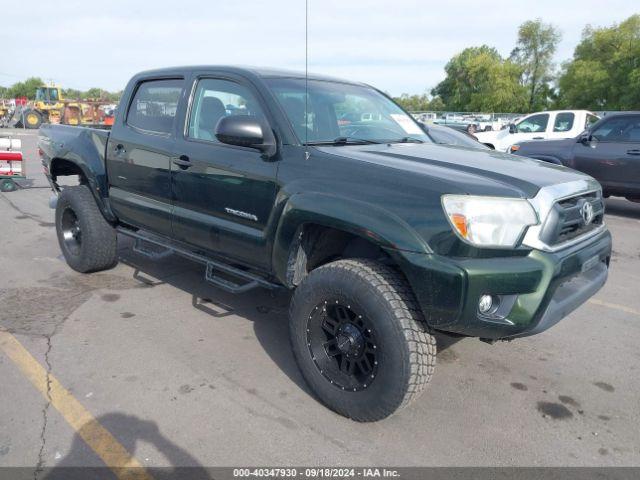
[{"x": 587, "y": 213}]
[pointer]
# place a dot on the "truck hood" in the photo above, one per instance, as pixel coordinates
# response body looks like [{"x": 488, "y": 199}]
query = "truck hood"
[{"x": 463, "y": 170}]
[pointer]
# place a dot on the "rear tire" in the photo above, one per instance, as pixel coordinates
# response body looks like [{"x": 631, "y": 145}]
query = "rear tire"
[
  {"x": 87, "y": 241},
  {"x": 360, "y": 339}
]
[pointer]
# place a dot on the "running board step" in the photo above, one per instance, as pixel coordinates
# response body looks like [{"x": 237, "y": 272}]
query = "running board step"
[
  {"x": 225, "y": 284},
  {"x": 144, "y": 243},
  {"x": 141, "y": 246}
]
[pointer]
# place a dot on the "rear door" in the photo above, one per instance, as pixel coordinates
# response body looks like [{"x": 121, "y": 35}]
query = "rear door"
[
  {"x": 223, "y": 195},
  {"x": 139, "y": 155},
  {"x": 613, "y": 155}
]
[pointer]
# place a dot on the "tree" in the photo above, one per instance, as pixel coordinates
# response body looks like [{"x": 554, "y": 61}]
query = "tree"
[
  {"x": 71, "y": 93},
  {"x": 414, "y": 103},
  {"x": 95, "y": 93},
  {"x": 25, "y": 89},
  {"x": 604, "y": 73},
  {"x": 436, "y": 104},
  {"x": 536, "y": 45},
  {"x": 479, "y": 79}
]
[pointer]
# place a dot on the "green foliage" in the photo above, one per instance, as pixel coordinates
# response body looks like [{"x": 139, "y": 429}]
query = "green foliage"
[
  {"x": 414, "y": 103},
  {"x": 91, "y": 94},
  {"x": 536, "y": 45},
  {"x": 71, "y": 93},
  {"x": 479, "y": 79},
  {"x": 436, "y": 104},
  {"x": 604, "y": 73},
  {"x": 29, "y": 86},
  {"x": 25, "y": 89}
]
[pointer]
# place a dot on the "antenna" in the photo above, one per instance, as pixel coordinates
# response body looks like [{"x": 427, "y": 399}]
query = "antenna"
[{"x": 306, "y": 79}]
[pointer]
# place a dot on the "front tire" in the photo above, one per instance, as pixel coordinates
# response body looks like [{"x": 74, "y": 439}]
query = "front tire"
[
  {"x": 360, "y": 339},
  {"x": 32, "y": 119},
  {"x": 87, "y": 241}
]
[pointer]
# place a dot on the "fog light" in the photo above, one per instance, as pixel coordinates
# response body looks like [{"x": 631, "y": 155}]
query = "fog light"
[{"x": 485, "y": 303}]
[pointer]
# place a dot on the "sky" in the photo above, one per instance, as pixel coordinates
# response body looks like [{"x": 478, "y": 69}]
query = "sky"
[{"x": 399, "y": 46}]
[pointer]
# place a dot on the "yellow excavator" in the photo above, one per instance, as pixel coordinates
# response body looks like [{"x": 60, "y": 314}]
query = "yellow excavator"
[{"x": 49, "y": 106}]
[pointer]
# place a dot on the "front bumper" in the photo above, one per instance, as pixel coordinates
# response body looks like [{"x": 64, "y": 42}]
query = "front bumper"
[{"x": 537, "y": 290}]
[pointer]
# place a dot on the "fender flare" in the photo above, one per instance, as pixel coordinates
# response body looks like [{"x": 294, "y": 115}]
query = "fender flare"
[
  {"x": 85, "y": 151},
  {"x": 362, "y": 219}
]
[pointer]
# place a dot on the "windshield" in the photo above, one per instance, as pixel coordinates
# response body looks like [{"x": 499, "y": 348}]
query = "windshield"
[{"x": 339, "y": 113}]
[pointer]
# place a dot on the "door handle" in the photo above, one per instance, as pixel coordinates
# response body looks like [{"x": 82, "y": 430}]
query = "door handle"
[
  {"x": 538, "y": 138},
  {"x": 119, "y": 149},
  {"x": 633, "y": 152},
  {"x": 182, "y": 161}
]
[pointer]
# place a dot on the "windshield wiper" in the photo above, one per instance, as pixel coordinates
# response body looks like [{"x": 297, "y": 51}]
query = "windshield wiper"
[
  {"x": 345, "y": 141},
  {"x": 407, "y": 140}
]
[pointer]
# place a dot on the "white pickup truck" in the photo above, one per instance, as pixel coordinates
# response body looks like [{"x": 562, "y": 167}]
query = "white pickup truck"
[{"x": 539, "y": 126}]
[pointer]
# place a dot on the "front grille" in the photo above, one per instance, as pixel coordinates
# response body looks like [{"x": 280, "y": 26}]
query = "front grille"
[{"x": 566, "y": 220}]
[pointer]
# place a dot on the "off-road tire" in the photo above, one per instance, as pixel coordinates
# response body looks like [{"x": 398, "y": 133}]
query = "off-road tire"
[
  {"x": 98, "y": 247},
  {"x": 406, "y": 348},
  {"x": 36, "y": 115}
]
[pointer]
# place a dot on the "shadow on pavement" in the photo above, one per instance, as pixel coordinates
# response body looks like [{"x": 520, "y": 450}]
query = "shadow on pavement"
[
  {"x": 267, "y": 310},
  {"x": 129, "y": 430},
  {"x": 622, "y": 208}
]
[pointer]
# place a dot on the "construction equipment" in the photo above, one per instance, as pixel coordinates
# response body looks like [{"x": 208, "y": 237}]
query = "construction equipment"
[{"x": 50, "y": 106}]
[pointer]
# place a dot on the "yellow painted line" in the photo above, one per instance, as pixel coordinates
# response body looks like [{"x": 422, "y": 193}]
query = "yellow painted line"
[
  {"x": 615, "y": 306},
  {"x": 112, "y": 453}
]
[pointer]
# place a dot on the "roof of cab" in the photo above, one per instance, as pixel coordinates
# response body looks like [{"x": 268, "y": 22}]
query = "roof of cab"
[{"x": 260, "y": 72}]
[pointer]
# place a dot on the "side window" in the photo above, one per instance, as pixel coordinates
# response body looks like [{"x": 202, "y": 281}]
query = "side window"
[
  {"x": 535, "y": 123},
  {"x": 154, "y": 105},
  {"x": 621, "y": 129},
  {"x": 564, "y": 122},
  {"x": 591, "y": 119},
  {"x": 215, "y": 99}
]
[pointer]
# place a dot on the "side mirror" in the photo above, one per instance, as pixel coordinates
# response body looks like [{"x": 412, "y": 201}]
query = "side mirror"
[
  {"x": 246, "y": 131},
  {"x": 584, "y": 138},
  {"x": 513, "y": 128}
]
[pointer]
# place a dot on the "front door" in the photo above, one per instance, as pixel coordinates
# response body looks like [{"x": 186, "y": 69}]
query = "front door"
[
  {"x": 613, "y": 155},
  {"x": 223, "y": 195},
  {"x": 533, "y": 127},
  {"x": 139, "y": 155}
]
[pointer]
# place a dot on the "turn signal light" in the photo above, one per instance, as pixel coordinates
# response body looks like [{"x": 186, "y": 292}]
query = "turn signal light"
[{"x": 460, "y": 222}]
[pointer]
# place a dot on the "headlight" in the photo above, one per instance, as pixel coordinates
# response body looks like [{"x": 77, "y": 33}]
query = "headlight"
[{"x": 489, "y": 221}]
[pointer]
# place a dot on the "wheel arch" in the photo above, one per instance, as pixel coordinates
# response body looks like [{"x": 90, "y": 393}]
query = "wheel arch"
[
  {"x": 60, "y": 166},
  {"x": 316, "y": 228}
]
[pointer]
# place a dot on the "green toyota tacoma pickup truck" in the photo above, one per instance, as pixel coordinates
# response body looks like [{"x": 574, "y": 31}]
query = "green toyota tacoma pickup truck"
[{"x": 329, "y": 189}]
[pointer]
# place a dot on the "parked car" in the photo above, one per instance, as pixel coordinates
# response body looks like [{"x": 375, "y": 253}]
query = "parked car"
[
  {"x": 539, "y": 126},
  {"x": 609, "y": 151},
  {"x": 382, "y": 235}
]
